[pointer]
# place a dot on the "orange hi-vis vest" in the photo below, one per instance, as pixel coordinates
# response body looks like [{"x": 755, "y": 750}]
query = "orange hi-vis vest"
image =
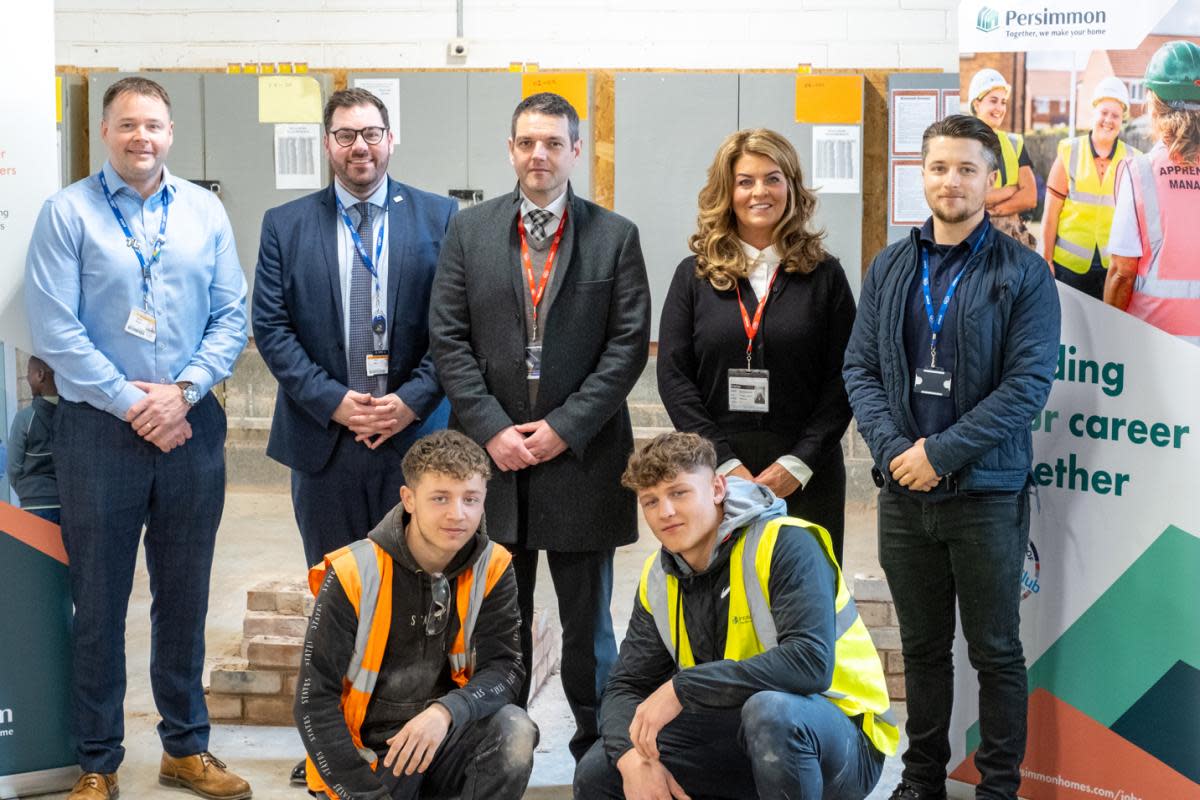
[
  {"x": 364, "y": 570},
  {"x": 1166, "y": 291}
]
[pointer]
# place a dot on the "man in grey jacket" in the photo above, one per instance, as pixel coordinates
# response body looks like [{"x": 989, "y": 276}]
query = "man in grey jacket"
[{"x": 952, "y": 353}]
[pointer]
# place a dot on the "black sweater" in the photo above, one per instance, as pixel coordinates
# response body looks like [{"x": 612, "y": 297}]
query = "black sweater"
[{"x": 803, "y": 337}]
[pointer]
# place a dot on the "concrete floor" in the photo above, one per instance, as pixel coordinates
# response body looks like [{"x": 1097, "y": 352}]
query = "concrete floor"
[{"x": 258, "y": 541}]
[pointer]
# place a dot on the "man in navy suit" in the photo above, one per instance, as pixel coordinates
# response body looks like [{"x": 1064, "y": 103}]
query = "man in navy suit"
[{"x": 340, "y": 316}]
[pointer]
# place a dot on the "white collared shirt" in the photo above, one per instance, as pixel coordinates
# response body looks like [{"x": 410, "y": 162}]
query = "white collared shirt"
[
  {"x": 555, "y": 207},
  {"x": 379, "y": 199}
]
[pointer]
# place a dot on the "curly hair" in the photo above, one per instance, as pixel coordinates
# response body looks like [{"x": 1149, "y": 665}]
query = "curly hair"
[
  {"x": 446, "y": 452},
  {"x": 1179, "y": 129},
  {"x": 719, "y": 257},
  {"x": 665, "y": 456}
]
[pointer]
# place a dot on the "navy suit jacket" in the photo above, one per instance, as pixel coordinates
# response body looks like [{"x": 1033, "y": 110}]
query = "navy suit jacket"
[{"x": 298, "y": 322}]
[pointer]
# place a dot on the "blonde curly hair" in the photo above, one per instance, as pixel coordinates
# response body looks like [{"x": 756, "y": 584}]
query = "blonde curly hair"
[
  {"x": 719, "y": 256},
  {"x": 1179, "y": 130}
]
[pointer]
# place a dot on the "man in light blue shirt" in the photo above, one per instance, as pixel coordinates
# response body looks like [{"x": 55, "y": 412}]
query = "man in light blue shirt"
[{"x": 137, "y": 301}]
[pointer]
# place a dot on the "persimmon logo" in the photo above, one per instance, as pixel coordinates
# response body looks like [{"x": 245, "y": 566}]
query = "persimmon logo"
[{"x": 987, "y": 20}]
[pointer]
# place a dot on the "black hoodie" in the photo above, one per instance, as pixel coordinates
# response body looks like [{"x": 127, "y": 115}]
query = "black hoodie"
[{"x": 415, "y": 671}]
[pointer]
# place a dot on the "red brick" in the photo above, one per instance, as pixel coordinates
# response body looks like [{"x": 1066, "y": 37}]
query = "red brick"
[
  {"x": 874, "y": 614},
  {"x": 224, "y": 708},
  {"x": 893, "y": 617},
  {"x": 895, "y": 663},
  {"x": 225, "y": 680},
  {"x": 895, "y": 684},
  {"x": 275, "y": 710},
  {"x": 257, "y": 600},
  {"x": 290, "y": 679},
  {"x": 273, "y": 651},
  {"x": 267, "y": 623}
]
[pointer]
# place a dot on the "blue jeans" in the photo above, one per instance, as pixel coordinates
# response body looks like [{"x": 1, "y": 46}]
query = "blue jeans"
[
  {"x": 969, "y": 548},
  {"x": 111, "y": 483},
  {"x": 776, "y": 745}
]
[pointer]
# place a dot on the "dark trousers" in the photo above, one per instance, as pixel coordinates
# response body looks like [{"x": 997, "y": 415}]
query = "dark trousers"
[
  {"x": 48, "y": 514},
  {"x": 777, "y": 745},
  {"x": 488, "y": 759},
  {"x": 1090, "y": 283},
  {"x": 345, "y": 500},
  {"x": 971, "y": 548},
  {"x": 111, "y": 483},
  {"x": 583, "y": 585}
]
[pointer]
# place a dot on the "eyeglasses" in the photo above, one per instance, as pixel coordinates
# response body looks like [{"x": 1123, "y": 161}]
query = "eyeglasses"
[
  {"x": 439, "y": 605},
  {"x": 346, "y": 136}
]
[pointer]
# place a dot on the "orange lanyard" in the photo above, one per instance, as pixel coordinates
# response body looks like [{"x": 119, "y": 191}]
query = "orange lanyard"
[
  {"x": 537, "y": 290},
  {"x": 751, "y": 328}
]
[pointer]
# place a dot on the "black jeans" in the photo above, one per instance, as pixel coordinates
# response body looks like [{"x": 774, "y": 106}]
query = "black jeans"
[
  {"x": 488, "y": 759},
  {"x": 776, "y": 745},
  {"x": 971, "y": 548}
]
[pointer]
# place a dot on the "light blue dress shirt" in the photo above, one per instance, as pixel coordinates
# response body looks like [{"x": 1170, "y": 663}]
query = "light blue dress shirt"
[
  {"x": 379, "y": 199},
  {"x": 82, "y": 280}
]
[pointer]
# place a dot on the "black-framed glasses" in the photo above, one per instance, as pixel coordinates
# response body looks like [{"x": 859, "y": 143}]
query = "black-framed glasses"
[
  {"x": 346, "y": 136},
  {"x": 439, "y": 604}
]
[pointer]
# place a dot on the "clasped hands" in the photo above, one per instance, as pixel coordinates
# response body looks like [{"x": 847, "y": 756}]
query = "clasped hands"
[
  {"x": 912, "y": 470},
  {"x": 775, "y": 477},
  {"x": 373, "y": 420},
  {"x": 160, "y": 416},
  {"x": 525, "y": 445}
]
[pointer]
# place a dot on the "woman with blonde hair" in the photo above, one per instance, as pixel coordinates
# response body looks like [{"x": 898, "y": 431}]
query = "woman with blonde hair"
[
  {"x": 1155, "y": 272},
  {"x": 1016, "y": 188},
  {"x": 754, "y": 328}
]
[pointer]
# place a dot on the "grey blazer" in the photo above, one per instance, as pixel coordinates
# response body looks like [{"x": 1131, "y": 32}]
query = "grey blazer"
[{"x": 597, "y": 335}]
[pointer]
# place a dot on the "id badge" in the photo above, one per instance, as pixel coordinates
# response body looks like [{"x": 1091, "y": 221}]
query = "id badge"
[
  {"x": 141, "y": 324},
  {"x": 377, "y": 363},
  {"x": 933, "y": 382},
  {"x": 749, "y": 390},
  {"x": 533, "y": 362}
]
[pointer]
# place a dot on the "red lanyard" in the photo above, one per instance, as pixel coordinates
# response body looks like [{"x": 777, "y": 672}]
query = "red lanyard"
[
  {"x": 537, "y": 290},
  {"x": 752, "y": 327}
]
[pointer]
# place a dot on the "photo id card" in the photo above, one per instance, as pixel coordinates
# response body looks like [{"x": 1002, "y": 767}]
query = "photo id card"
[
  {"x": 141, "y": 324},
  {"x": 749, "y": 390},
  {"x": 933, "y": 382},
  {"x": 533, "y": 362},
  {"x": 377, "y": 363}
]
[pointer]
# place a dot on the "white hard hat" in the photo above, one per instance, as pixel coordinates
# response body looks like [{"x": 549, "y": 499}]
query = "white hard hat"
[
  {"x": 984, "y": 81},
  {"x": 1111, "y": 88}
]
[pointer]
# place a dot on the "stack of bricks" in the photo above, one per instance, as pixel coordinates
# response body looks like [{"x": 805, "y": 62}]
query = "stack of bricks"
[
  {"x": 259, "y": 687},
  {"x": 874, "y": 601}
]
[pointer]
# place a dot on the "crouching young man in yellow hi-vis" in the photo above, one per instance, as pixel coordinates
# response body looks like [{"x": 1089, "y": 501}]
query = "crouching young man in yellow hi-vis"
[
  {"x": 412, "y": 658},
  {"x": 746, "y": 669}
]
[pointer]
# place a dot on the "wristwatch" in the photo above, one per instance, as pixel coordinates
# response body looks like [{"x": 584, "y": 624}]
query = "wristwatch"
[{"x": 191, "y": 395}]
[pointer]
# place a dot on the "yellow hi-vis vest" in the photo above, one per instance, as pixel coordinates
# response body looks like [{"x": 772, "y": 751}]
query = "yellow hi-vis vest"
[
  {"x": 1087, "y": 213},
  {"x": 858, "y": 687},
  {"x": 364, "y": 570},
  {"x": 1011, "y": 145}
]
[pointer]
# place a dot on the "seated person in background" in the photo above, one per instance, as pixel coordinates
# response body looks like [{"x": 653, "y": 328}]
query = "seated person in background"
[
  {"x": 31, "y": 446},
  {"x": 746, "y": 670},
  {"x": 412, "y": 657}
]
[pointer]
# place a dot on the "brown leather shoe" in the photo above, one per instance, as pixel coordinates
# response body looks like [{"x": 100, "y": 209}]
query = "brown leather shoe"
[
  {"x": 203, "y": 774},
  {"x": 95, "y": 786}
]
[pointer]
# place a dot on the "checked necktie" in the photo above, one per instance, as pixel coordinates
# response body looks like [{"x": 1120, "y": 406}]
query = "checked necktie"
[
  {"x": 362, "y": 340},
  {"x": 537, "y": 223}
]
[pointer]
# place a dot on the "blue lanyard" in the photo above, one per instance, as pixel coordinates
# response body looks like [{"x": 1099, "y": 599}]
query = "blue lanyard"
[
  {"x": 936, "y": 322},
  {"x": 368, "y": 262},
  {"x": 132, "y": 242}
]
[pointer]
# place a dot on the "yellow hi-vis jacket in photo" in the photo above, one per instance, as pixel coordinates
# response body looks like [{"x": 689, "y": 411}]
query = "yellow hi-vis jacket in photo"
[
  {"x": 858, "y": 687},
  {"x": 364, "y": 570},
  {"x": 1087, "y": 213},
  {"x": 1011, "y": 146}
]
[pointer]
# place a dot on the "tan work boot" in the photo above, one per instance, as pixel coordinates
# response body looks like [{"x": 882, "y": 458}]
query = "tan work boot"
[
  {"x": 204, "y": 774},
  {"x": 95, "y": 786}
]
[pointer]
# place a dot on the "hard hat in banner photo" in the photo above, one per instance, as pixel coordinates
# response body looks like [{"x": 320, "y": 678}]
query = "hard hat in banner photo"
[
  {"x": 1111, "y": 88},
  {"x": 1174, "y": 72},
  {"x": 984, "y": 81}
]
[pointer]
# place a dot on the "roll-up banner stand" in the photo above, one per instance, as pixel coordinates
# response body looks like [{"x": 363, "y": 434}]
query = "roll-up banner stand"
[
  {"x": 1110, "y": 619},
  {"x": 36, "y": 751}
]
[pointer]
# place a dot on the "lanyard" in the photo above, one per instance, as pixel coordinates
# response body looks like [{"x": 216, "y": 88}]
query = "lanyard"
[
  {"x": 936, "y": 322},
  {"x": 132, "y": 242},
  {"x": 371, "y": 264},
  {"x": 751, "y": 328},
  {"x": 537, "y": 290}
]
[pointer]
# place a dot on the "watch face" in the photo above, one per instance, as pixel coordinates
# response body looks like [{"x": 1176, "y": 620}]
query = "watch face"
[{"x": 192, "y": 395}]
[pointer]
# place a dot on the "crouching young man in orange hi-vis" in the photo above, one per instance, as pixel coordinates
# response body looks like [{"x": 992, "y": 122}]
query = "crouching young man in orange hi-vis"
[
  {"x": 746, "y": 671},
  {"x": 412, "y": 658}
]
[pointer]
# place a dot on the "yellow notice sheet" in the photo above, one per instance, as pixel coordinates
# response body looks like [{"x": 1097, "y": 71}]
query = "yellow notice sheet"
[
  {"x": 829, "y": 99},
  {"x": 289, "y": 98},
  {"x": 571, "y": 85}
]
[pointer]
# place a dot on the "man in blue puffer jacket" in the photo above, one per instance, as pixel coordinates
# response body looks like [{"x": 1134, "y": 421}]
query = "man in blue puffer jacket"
[{"x": 952, "y": 354}]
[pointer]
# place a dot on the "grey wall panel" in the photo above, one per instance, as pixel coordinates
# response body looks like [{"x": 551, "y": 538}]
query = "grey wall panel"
[
  {"x": 668, "y": 128},
  {"x": 491, "y": 98},
  {"x": 911, "y": 80},
  {"x": 240, "y": 154},
  {"x": 769, "y": 101},
  {"x": 431, "y": 151},
  {"x": 187, "y": 152}
]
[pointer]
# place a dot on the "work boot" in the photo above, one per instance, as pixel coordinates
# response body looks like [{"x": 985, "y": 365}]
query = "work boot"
[
  {"x": 203, "y": 774},
  {"x": 300, "y": 773},
  {"x": 95, "y": 786},
  {"x": 906, "y": 791}
]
